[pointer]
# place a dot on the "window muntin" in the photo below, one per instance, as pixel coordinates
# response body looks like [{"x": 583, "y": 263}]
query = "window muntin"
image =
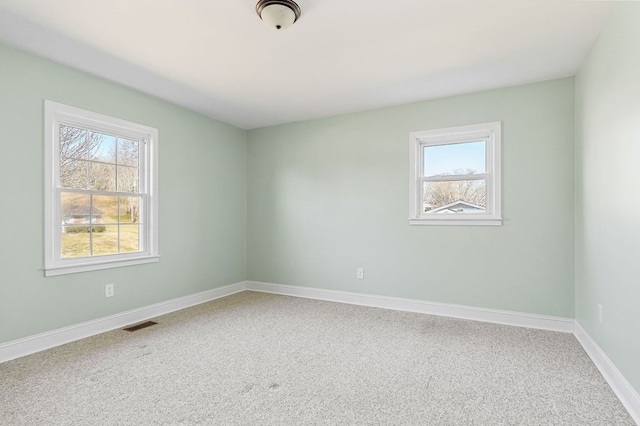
[
  {"x": 101, "y": 195},
  {"x": 455, "y": 176}
]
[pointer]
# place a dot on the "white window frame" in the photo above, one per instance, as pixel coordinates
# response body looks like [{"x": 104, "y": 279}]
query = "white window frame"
[
  {"x": 491, "y": 134},
  {"x": 56, "y": 114}
]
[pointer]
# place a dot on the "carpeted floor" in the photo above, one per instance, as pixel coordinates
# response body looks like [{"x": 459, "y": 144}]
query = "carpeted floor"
[{"x": 254, "y": 358}]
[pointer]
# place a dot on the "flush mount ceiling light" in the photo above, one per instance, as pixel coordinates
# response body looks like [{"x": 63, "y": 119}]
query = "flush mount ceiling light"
[{"x": 278, "y": 14}]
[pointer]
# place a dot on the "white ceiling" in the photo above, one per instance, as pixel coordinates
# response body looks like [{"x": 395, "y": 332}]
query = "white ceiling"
[{"x": 216, "y": 56}]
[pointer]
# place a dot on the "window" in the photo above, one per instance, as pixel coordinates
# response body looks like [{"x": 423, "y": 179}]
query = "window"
[
  {"x": 455, "y": 176},
  {"x": 101, "y": 201}
]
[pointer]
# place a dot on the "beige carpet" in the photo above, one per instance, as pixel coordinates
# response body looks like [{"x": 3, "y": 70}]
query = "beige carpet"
[{"x": 254, "y": 358}]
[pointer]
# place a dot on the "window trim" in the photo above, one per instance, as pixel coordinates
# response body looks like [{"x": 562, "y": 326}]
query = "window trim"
[
  {"x": 56, "y": 114},
  {"x": 490, "y": 133}
]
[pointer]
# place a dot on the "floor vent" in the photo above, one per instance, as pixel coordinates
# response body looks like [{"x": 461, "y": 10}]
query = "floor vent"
[{"x": 140, "y": 326}]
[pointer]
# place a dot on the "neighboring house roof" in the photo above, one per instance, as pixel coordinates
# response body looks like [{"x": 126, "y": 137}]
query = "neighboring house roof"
[{"x": 459, "y": 206}]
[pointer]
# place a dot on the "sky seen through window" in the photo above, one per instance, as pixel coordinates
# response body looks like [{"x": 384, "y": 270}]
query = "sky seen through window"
[{"x": 454, "y": 159}]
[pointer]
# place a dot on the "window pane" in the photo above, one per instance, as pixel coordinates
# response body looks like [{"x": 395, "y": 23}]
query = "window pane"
[
  {"x": 73, "y": 173},
  {"x": 128, "y": 152},
  {"x": 73, "y": 143},
  {"x": 129, "y": 209},
  {"x": 94, "y": 160},
  {"x": 76, "y": 208},
  {"x": 75, "y": 241},
  {"x": 105, "y": 209},
  {"x": 128, "y": 179},
  {"x": 105, "y": 239},
  {"x": 455, "y": 159},
  {"x": 102, "y": 177},
  {"x": 103, "y": 148},
  {"x": 462, "y": 196},
  {"x": 129, "y": 238}
]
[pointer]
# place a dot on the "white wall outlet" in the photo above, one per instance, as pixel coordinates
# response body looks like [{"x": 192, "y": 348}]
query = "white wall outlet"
[
  {"x": 360, "y": 273},
  {"x": 600, "y": 313},
  {"x": 109, "y": 290}
]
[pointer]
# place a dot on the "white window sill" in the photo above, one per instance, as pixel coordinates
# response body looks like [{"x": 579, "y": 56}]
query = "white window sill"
[
  {"x": 94, "y": 266},
  {"x": 457, "y": 222}
]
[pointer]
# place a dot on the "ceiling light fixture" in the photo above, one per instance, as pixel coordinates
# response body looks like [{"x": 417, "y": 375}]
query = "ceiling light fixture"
[{"x": 278, "y": 14}]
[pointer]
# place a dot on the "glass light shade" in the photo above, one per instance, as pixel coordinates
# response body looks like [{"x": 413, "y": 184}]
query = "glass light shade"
[{"x": 278, "y": 17}]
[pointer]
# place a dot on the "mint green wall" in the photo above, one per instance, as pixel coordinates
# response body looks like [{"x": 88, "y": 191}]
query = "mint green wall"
[
  {"x": 202, "y": 175},
  {"x": 608, "y": 191},
  {"x": 328, "y": 196}
]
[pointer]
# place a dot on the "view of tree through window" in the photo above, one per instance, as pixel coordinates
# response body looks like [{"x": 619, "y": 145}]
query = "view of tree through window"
[
  {"x": 455, "y": 179},
  {"x": 99, "y": 193},
  {"x": 457, "y": 195}
]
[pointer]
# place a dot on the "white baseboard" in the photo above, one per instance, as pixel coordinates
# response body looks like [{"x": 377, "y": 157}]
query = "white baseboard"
[
  {"x": 39, "y": 342},
  {"x": 620, "y": 386},
  {"x": 542, "y": 322}
]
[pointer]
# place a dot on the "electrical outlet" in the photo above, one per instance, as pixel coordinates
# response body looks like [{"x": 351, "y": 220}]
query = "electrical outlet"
[
  {"x": 600, "y": 313},
  {"x": 109, "y": 290},
  {"x": 360, "y": 273}
]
